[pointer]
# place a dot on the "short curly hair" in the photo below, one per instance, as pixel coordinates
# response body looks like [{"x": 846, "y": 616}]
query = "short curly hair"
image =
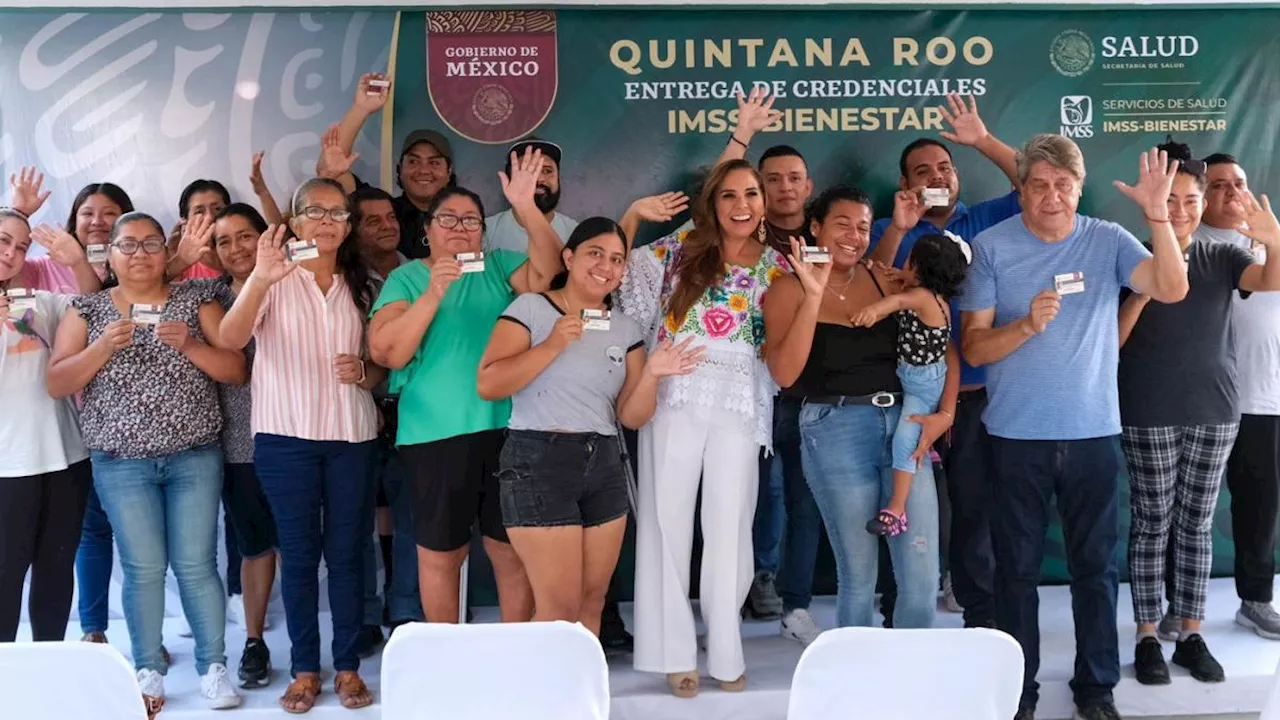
[{"x": 939, "y": 264}]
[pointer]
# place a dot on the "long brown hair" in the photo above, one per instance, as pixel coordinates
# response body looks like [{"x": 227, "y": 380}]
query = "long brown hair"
[{"x": 701, "y": 263}]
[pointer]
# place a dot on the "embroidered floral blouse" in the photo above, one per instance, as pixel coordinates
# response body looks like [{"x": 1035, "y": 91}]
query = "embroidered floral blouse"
[{"x": 728, "y": 320}]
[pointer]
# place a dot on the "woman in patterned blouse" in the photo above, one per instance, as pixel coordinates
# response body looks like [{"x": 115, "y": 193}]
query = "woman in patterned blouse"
[
  {"x": 141, "y": 355},
  {"x": 708, "y": 283}
]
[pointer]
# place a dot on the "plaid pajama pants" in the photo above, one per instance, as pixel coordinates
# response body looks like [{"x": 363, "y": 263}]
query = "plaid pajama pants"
[{"x": 1174, "y": 477}]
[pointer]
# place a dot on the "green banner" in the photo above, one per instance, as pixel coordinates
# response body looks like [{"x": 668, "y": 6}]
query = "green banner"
[{"x": 641, "y": 99}]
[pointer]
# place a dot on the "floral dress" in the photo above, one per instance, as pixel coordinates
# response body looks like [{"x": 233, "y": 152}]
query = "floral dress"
[{"x": 728, "y": 320}]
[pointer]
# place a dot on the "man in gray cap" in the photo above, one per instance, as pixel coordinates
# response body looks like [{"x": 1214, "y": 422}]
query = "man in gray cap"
[{"x": 503, "y": 231}]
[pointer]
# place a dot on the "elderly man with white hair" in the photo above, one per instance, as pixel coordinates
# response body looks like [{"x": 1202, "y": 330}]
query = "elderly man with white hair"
[{"x": 1040, "y": 311}]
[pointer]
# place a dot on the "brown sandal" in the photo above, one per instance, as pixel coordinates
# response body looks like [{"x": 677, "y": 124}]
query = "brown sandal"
[
  {"x": 153, "y": 705},
  {"x": 683, "y": 685},
  {"x": 301, "y": 694},
  {"x": 351, "y": 690}
]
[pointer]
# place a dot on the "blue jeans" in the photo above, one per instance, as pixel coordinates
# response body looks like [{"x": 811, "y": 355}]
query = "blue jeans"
[
  {"x": 847, "y": 454},
  {"x": 93, "y": 566},
  {"x": 403, "y": 601},
  {"x": 921, "y": 390},
  {"x": 322, "y": 499},
  {"x": 1082, "y": 473},
  {"x": 165, "y": 511}
]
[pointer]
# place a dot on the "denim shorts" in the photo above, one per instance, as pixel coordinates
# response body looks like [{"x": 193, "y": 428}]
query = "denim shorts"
[{"x": 552, "y": 479}]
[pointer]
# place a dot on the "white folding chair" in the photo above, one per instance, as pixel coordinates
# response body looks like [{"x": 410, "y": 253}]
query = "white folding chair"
[
  {"x": 530, "y": 671},
  {"x": 973, "y": 674},
  {"x": 1271, "y": 710},
  {"x": 35, "y": 677}
]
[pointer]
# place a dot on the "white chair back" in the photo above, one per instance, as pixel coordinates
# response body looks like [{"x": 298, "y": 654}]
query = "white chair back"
[
  {"x": 531, "y": 671},
  {"x": 908, "y": 675},
  {"x": 1271, "y": 710},
  {"x": 67, "y": 681}
]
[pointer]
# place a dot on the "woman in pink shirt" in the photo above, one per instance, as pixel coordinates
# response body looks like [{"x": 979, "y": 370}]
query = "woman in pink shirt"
[{"x": 314, "y": 421}]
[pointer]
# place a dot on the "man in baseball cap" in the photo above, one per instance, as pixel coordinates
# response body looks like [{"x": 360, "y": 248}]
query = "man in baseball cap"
[
  {"x": 503, "y": 231},
  {"x": 425, "y": 168}
]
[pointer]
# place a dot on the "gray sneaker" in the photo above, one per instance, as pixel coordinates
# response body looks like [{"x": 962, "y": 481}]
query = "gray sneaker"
[
  {"x": 1170, "y": 628},
  {"x": 763, "y": 602},
  {"x": 1259, "y": 617}
]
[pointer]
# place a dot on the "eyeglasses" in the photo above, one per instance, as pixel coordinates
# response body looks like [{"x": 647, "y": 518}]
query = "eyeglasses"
[
  {"x": 130, "y": 247},
  {"x": 449, "y": 222},
  {"x": 315, "y": 212}
]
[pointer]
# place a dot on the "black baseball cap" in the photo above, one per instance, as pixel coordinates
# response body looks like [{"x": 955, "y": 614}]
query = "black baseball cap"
[
  {"x": 549, "y": 149},
  {"x": 433, "y": 138}
]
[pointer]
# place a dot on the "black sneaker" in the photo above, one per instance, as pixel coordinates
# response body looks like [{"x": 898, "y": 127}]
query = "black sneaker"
[
  {"x": 1100, "y": 711},
  {"x": 988, "y": 624},
  {"x": 368, "y": 641},
  {"x": 613, "y": 632},
  {"x": 1025, "y": 713},
  {"x": 255, "y": 664},
  {"x": 1192, "y": 654},
  {"x": 1149, "y": 664}
]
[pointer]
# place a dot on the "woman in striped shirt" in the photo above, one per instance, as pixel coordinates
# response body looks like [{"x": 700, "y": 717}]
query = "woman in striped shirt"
[{"x": 314, "y": 424}]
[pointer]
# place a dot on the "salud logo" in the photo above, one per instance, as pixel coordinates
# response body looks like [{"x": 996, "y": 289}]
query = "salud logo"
[
  {"x": 492, "y": 75},
  {"x": 1071, "y": 53}
]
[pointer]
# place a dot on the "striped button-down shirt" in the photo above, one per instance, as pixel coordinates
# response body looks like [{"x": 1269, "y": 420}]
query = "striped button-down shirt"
[{"x": 299, "y": 332}]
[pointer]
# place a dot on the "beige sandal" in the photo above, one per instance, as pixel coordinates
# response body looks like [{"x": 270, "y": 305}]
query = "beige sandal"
[
  {"x": 301, "y": 695},
  {"x": 734, "y": 685},
  {"x": 684, "y": 684}
]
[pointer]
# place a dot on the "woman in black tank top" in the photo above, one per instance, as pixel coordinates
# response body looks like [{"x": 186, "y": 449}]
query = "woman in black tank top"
[{"x": 847, "y": 378}]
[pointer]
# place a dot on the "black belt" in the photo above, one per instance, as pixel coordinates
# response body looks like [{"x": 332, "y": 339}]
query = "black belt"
[{"x": 880, "y": 399}]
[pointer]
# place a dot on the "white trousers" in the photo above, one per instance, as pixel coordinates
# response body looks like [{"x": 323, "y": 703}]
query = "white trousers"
[{"x": 678, "y": 448}]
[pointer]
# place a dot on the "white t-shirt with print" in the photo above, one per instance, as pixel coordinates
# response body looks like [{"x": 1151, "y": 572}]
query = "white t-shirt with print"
[{"x": 37, "y": 433}]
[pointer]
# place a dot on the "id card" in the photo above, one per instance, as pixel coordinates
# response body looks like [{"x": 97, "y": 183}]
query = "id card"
[
  {"x": 97, "y": 254},
  {"x": 1069, "y": 283},
  {"x": 595, "y": 319},
  {"x": 146, "y": 314},
  {"x": 377, "y": 87},
  {"x": 1259, "y": 252},
  {"x": 814, "y": 255},
  {"x": 471, "y": 262},
  {"x": 20, "y": 301},
  {"x": 299, "y": 250},
  {"x": 937, "y": 197}
]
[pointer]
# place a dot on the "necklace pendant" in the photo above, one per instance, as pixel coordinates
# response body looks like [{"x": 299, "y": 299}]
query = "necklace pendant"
[{"x": 841, "y": 297}]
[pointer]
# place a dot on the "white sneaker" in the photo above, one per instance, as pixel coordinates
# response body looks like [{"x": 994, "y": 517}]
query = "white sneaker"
[
  {"x": 216, "y": 688},
  {"x": 235, "y": 610},
  {"x": 798, "y": 625},
  {"x": 151, "y": 683}
]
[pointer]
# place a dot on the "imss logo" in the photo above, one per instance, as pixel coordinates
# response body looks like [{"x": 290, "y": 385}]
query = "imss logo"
[{"x": 1076, "y": 113}]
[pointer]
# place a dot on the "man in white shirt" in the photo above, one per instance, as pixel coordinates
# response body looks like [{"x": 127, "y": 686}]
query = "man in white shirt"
[
  {"x": 503, "y": 231},
  {"x": 1253, "y": 472}
]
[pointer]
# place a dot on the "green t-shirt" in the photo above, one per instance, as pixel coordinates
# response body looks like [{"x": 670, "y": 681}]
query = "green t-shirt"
[{"x": 437, "y": 389}]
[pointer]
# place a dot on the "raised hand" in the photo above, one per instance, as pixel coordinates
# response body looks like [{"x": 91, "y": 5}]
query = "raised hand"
[
  {"x": 64, "y": 249},
  {"x": 671, "y": 359},
  {"x": 348, "y": 369},
  {"x": 272, "y": 264},
  {"x": 813, "y": 278},
  {"x": 117, "y": 336},
  {"x": 173, "y": 333},
  {"x": 24, "y": 188},
  {"x": 966, "y": 125},
  {"x": 256, "y": 178},
  {"x": 444, "y": 272},
  {"x": 196, "y": 243},
  {"x": 567, "y": 330},
  {"x": 908, "y": 208},
  {"x": 755, "y": 112},
  {"x": 1260, "y": 224},
  {"x": 660, "y": 208},
  {"x": 1155, "y": 180},
  {"x": 334, "y": 161},
  {"x": 523, "y": 182},
  {"x": 1044, "y": 308},
  {"x": 368, "y": 98}
]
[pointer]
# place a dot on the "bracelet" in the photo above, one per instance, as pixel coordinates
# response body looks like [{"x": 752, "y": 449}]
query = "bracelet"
[
  {"x": 1155, "y": 220},
  {"x": 27, "y": 218},
  {"x": 363, "y": 375},
  {"x": 734, "y": 138},
  {"x": 948, "y": 413}
]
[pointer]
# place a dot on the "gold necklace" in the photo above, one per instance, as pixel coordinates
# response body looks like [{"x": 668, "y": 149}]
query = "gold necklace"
[{"x": 846, "y": 284}]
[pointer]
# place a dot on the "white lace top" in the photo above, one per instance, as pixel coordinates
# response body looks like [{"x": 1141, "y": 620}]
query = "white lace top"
[{"x": 728, "y": 320}]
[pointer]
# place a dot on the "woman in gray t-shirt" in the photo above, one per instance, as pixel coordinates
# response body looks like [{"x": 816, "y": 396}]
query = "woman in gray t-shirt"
[
  {"x": 573, "y": 370},
  {"x": 1180, "y": 415}
]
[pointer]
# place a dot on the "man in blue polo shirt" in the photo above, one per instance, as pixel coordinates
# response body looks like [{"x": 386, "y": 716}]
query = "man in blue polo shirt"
[
  {"x": 1040, "y": 311},
  {"x": 927, "y": 164}
]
